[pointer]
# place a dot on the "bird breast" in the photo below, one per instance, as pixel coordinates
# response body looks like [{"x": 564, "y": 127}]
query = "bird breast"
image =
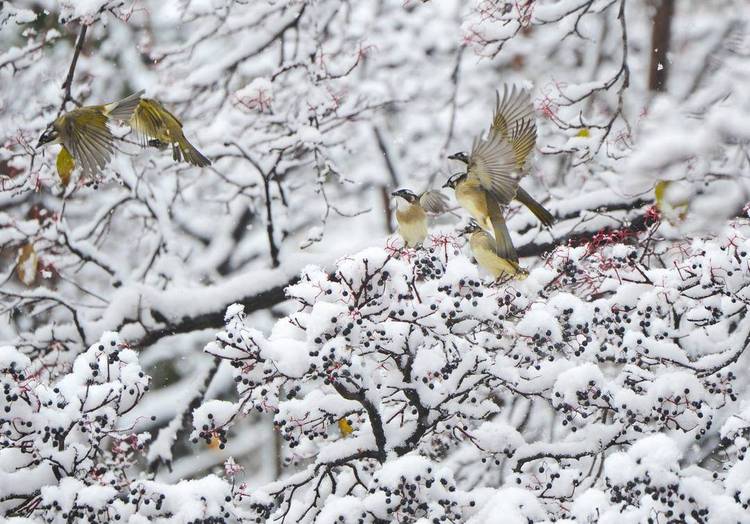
[
  {"x": 474, "y": 200},
  {"x": 412, "y": 224},
  {"x": 410, "y": 214}
]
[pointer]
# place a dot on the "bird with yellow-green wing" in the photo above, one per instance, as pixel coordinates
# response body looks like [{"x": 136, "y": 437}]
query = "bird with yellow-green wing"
[
  {"x": 85, "y": 133},
  {"x": 490, "y": 182},
  {"x": 496, "y": 261},
  {"x": 514, "y": 122},
  {"x": 156, "y": 126}
]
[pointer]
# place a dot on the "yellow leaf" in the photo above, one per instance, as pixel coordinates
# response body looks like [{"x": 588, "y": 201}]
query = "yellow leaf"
[
  {"x": 659, "y": 189},
  {"x": 215, "y": 442},
  {"x": 65, "y": 165},
  {"x": 345, "y": 427},
  {"x": 26, "y": 266},
  {"x": 674, "y": 208},
  {"x": 583, "y": 133}
]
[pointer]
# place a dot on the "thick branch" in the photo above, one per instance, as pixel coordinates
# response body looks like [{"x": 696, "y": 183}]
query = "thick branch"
[
  {"x": 372, "y": 413},
  {"x": 263, "y": 300},
  {"x": 637, "y": 224},
  {"x": 660, "y": 36}
]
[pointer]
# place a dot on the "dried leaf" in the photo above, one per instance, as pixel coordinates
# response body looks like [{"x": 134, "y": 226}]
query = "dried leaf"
[
  {"x": 65, "y": 166},
  {"x": 27, "y": 264},
  {"x": 345, "y": 427},
  {"x": 215, "y": 443}
]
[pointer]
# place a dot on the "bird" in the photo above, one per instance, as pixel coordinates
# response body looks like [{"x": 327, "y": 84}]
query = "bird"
[
  {"x": 85, "y": 133},
  {"x": 514, "y": 110},
  {"x": 497, "y": 263},
  {"x": 412, "y": 210},
  {"x": 156, "y": 126},
  {"x": 490, "y": 181}
]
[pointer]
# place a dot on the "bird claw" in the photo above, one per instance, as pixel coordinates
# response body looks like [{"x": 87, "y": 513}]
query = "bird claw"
[{"x": 158, "y": 144}]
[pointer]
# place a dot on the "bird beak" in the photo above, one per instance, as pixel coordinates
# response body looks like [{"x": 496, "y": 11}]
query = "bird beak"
[
  {"x": 44, "y": 139},
  {"x": 452, "y": 157},
  {"x": 395, "y": 193},
  {"x": 447, "y": 185}
]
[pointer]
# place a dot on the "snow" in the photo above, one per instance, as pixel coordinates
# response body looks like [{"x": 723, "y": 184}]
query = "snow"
[
  {"x": 270, "y": 300},
  {"x": 11, "y": 358},
  {"x": 214, "y": 413},
  {"x": 516, "y": 506}
]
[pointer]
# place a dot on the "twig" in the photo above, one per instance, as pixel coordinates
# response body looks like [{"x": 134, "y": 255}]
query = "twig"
[
  {"x": 386, "y": 156},
  {"x": 68, "y": 83}
]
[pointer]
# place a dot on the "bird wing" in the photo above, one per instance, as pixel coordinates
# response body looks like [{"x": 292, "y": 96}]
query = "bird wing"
[
  {"x": 514, "y": 120},
  {"x": 523, "y": 139},
  {"x": 151, "y": 120},
  {"x": 544, "y": 216},
  {"x": 503, "y": 244},
  {"x": 482, "y": 241},
  {"x": 513, "y": 106},
  {"x": 123, "y": 109},
  {"x": 88, "y": 139},
  {"x": 493, "y": 164},
  {"x": 433, "y": 201},
  {"x": 170, "y": 114}
]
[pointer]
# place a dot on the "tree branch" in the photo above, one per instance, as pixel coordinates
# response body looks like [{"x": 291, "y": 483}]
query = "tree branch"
[
  {"x": 263, "y": 300},
  {"x": 68, "y": 83}
]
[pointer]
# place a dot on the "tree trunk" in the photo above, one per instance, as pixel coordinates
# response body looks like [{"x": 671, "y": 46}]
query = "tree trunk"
[{"x": 660, "y": 37}]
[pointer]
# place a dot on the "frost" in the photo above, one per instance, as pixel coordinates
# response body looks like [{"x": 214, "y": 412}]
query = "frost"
[{"x": 257, "y": 95}]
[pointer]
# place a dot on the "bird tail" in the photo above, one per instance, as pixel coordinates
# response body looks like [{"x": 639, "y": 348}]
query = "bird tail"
[
  {"x": 123, "y": 109},
  {"x": 191, "y": 154},
  {"x": 544, "y": 216},
  {"x": 504, "y": 245}
]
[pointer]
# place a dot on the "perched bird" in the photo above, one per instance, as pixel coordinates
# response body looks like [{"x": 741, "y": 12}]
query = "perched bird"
[
  {"x": 412, "y": 210},
  {"x": 497, "y": 263},
  {"x": 85, "y": 132},
  {"x": 514, "y": 111},
  {"x": 156, "y": 126}
]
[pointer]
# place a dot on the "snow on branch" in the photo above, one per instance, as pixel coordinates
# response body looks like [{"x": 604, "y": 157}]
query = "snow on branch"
[{"x": 430, "y": 365}]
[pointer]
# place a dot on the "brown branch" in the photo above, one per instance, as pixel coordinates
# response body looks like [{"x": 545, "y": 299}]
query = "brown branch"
[
  {"x": 637, "y": 224},
  {"x": 386, "y": 156},
  {"x": 263, "y": 300},
  {"x": 266, "y": 176},
  {"x": 197, "y": 400},
  {"x": 68, "y": 83},
  {"x": 660, "y": 36}
]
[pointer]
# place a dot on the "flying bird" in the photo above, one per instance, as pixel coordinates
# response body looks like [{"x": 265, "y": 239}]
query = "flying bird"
[
  {"x": 412, "y": 211},
  {"x": 490, "y": 181},
  {"x": 85, "y": 132},
  {"x": 156, "y": 126},
  {"x": 514, "y": 121}
]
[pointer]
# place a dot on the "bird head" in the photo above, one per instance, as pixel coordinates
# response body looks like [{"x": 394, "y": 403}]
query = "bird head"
[
  {"x": 50, "y": 135},
  {"x": 471, "y": 227},
  {"x": 406, "y": 194},
  {"x": 454, "y": 180},
  {"x": 460, "y": 156}
]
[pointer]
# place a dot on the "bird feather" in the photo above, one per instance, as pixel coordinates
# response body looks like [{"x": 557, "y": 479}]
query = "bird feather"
[
  {"x": 433, "y": 201},
  {"x": 493, "y": 164}
]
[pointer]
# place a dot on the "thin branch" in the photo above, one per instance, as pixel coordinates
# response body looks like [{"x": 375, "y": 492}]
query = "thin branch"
[{"x": 68, "y": 83}]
